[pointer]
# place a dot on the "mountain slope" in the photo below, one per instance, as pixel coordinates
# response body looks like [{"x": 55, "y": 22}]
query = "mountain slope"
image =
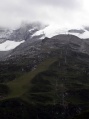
[
  {"x": 46, "y": 78},
  {"x": 59, "y": 87},
  {"x": 28, "y": 55},
  {"x": 56, "y": 83}
]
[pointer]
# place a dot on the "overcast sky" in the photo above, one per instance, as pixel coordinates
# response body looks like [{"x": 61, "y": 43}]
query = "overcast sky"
[{"x": 65, "y": 13}]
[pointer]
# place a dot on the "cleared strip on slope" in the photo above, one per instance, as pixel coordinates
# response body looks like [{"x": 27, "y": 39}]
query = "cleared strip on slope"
[{"x": 19, "y": 86}]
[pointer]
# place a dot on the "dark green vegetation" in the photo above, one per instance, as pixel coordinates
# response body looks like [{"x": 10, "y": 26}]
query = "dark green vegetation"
[
  {"x": 84, "y": 115},
  {"x": 57, "y": 89},
  {"x": 10, "y": 70},
  {"x": 4, "y": 90}
]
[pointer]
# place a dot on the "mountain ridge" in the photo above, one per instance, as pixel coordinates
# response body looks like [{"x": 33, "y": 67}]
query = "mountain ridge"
[{"x": 36, "y": 31}]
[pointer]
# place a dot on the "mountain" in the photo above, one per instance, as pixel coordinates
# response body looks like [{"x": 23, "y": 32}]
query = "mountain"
[
  {"x": 45, "y": 77},
  {"x": 11, "y": 38}
]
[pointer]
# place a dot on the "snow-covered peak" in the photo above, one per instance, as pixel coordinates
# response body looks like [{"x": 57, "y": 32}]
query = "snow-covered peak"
[
  {"x": 53, "y": 30},
  {"x": 9, "y": 45},
  {"x": 49, "y": 31}
]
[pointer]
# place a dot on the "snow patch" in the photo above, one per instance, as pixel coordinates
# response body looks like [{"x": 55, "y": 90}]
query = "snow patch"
[
  {"x": 48, "y": 31},
  {"x": 9, "y": 45}
]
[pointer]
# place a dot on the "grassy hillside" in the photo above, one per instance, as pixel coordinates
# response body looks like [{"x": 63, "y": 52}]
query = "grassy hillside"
[
  {"x": 20, "y": 85},
  {"x": 57, "y": 88}
]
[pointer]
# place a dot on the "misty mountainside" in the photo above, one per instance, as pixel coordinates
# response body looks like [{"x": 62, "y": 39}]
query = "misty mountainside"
[
  {"x": 23, "y": 32},
  {"x": 29, "y": 32},
  {"x": 45, "y": 77},
  {"x": 11, "y": 38}
]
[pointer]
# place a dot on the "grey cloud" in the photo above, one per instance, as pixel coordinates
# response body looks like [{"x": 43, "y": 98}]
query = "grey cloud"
[
  {"x": 59, "y": 3},
  {"x": 64, "y": 12}
]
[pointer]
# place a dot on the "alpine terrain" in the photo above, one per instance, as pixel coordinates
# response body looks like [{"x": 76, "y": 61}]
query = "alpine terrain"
[{"x": 44, "y": 72}]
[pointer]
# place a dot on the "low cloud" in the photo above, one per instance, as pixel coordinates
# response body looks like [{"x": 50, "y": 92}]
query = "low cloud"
[{"x": 66, "y": 13}]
